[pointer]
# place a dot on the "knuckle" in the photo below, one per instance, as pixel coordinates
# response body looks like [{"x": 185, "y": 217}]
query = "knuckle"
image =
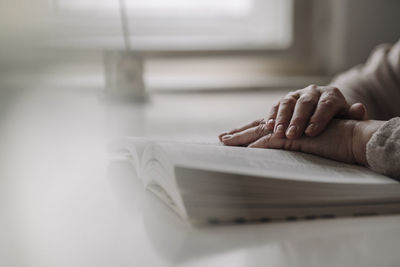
[
  {"x": 328, "y": 103},
  {"x": 335, "y": 92},
  {"x": 260, "y": 129},
  {"x": 288, "y": 100},
  {"x": 312, "y": 87},
  {"x": 258, "y": 122},
  {"x": 298, "y": 92},
  {"x": 307, "y": 100},
  {"x": 292, "y": 94}
]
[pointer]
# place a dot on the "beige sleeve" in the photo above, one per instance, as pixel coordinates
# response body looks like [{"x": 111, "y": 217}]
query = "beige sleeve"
[
  {"x": 375, "y": 83},
  {"x": 383, "y": 149}
]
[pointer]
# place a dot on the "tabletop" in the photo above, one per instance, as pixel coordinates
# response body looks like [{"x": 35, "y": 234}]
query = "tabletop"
[{"x": 65, "y": 202}]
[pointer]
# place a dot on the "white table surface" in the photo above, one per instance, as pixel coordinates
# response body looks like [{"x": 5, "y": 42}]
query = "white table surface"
[{"x": 64, "y": 202}]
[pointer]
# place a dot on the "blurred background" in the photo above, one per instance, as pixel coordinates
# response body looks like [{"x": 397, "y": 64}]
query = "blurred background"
[{"x": 192, "y": 44}]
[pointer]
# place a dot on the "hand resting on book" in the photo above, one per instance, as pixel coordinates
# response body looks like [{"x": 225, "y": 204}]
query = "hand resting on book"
[
  {"x": 309, "y": 111},
  {"x": 304, "y": 121},
  {"x": 342, "y": 140}
]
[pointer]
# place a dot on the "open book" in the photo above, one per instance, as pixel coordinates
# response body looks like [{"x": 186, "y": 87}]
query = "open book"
[{"x": 205, "y": 182}]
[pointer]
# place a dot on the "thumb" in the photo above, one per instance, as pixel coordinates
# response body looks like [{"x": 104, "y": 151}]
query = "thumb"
[{"x": 357, "y": 111}]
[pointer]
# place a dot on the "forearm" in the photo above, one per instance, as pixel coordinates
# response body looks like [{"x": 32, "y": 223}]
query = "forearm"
[{"x": 375, "y": 83}]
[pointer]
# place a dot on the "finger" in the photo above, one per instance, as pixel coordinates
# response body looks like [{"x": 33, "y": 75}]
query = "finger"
[
  {"x": 330, "y": 104},
  {"x": 247, "y": 136},
  {"x": 303, "y": 110},
  {"x": 263, "y": 142},
  {"x": 244, "y": 127},
  {"x": 357, "y": 111},
  {"x": 285, "y": 111},
  {"x": 272, "y": 116},
  {"x": 271, "y": 141}
]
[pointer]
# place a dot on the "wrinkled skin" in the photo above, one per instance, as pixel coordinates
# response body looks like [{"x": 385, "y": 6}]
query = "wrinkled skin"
[{"x": 313, "y": 112}]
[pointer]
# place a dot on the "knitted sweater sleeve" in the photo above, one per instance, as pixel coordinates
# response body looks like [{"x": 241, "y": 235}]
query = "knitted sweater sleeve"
[
  {"x": 383, "y": 149},
  {"x": 377, "y": 85}
]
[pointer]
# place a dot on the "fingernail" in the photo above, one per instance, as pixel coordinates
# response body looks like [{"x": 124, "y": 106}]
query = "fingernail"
[
  {"x": 271, "y": 121},
  {"x": 227, "y": 137},
  {"x": 279, "y": 129},
  {"x": 291, "y": 131},
  {"x": 310, "y": 128}
]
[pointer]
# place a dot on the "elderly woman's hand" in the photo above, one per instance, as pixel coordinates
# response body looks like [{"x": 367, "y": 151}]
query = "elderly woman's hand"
[
  {"x": 308, "y": 111},
  {"x": 343, "y": 140}
]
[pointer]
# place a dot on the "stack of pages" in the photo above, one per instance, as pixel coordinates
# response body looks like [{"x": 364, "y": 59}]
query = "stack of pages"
[{"x": 211, "y": 183}]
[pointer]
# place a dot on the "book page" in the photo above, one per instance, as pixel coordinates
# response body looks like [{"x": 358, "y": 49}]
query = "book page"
[
  {"x": 131, "y": 149},
  {"x": 269, "y": 163}
]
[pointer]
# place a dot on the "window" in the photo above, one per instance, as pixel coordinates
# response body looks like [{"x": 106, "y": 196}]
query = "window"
[
  {"x": 176, "y": 24},
  {"x": 187, "y": 40}
]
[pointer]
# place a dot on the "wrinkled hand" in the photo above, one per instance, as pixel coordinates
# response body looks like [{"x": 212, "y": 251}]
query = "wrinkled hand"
[
  {"x": 308, "y": 111},
  {"x": 343, "y": 140}
]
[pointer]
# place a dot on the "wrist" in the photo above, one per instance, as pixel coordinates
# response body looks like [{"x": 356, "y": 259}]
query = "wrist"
[{"x": 363, "y": 131}]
